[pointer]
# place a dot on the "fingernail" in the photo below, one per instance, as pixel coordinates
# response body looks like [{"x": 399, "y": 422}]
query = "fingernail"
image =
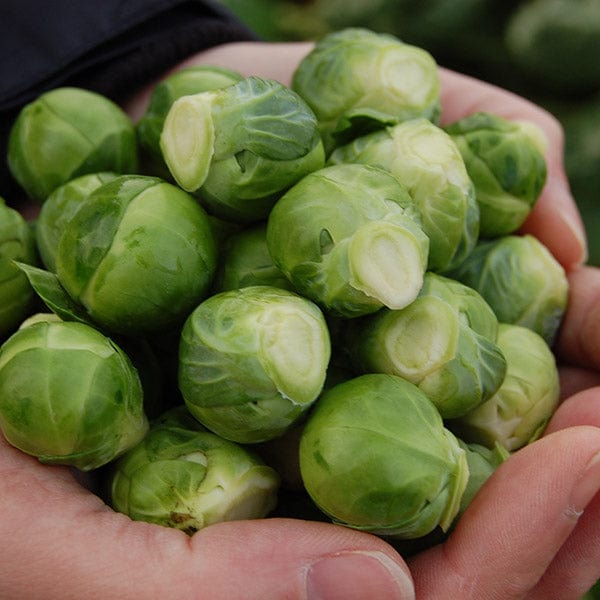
[
  {"x": 579, "y": 236},
  {"x": 358, "y": 575},
  {"x": 587, "y": 486}
]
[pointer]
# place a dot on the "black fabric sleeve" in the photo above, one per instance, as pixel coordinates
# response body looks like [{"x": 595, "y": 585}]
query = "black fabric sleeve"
[{"x": 113, "y": 47}]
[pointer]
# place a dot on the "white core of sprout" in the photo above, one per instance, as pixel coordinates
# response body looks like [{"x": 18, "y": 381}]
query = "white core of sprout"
[
  {"x": 187, "y": 140},
  {"x": 294, "y": 353},
  {"x": 422, "y": 338},
  {"x": 427, "y": 156},
  {"x": 386, "y": 264}
]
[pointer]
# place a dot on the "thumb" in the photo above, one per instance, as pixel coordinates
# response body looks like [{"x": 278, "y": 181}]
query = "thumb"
[{"x": 81, "y": 548}]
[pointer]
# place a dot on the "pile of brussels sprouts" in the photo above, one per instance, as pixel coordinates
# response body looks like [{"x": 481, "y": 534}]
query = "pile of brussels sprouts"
[{"x": 259, "y": 289}]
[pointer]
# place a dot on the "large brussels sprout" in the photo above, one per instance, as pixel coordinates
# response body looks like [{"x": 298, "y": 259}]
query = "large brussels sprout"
[
  {"x": 58, "y": 209},
  {"x": 425, "y": 159},
  {"x": 252, "y": 361},
  {"x": 505, "y": 161},
  {"x": 65, "y": 133},
  {"x": 240, "y": 147},
  {"x": 357, "y": 81},
  {"x": 432, "y": 345},
  {"x": 522, "y": 282},
  {"x": 374, "y": 455},
  {"x": 69, "y": 395},
  {"x": 349, "y": 237},
  {"x": 245, "y": 261},
  {"x": 183, "y": 477},
  {"x": 521, "y": 408},
  {"x": 139, "y": 255},
  {"x": 17, "y": 243},
  {"x": 186, "y": 81}
]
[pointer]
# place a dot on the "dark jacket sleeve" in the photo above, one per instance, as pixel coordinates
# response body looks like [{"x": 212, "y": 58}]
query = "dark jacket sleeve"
[{"x": 113, "y": 47}]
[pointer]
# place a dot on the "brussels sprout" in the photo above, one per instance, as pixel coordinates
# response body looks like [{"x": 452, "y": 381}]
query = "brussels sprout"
[
  {"x": 246, "y": 261},
  {"x": 185, "y": 478},
  {"x": 187, "y": 81},
  {"x": 349, "y": 237},
  {"x": 252, "y": 361},
  {"x": 505, "y": 161},
  {"x": 374, "y": 455},
  {"x": 425, "y": 159},
  {"x": 240, "y": 147},
  {"x": 58, "y": 209},
  {"x": 430, "y": 344},
  {"x": 482, "y": 463},
  {"x": 65, "y": 133},
  {"x": 522, "y": 282},
  {"x": 473, "y": 310},
  {"x": 69, "y": 395},
  {"x": 521, "y": 408},
  {"x": 138, "y": 255},
  {"x": 17, "y": 243},
  {"x": 357, "y": 81}
]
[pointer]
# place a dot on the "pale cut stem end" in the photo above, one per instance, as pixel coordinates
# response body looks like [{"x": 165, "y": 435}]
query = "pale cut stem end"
[{"x": 187, "y": 140}]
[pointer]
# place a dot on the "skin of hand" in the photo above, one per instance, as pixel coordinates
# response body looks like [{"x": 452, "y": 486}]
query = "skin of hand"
[{"x": 532, "y": 532}]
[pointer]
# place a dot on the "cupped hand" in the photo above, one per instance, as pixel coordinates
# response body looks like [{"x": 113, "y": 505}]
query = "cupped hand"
[{"x": 532, "y": 532}]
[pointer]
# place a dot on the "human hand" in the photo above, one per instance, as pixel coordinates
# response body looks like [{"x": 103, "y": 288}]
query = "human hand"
[{"x": 523, "y": 536}]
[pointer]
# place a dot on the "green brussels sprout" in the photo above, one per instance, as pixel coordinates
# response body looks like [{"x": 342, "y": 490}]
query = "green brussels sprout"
[
  {"x": 186, "y": 478},
  {"x": 519, "y": 411},
  {"x": 246, "y": 261},
  {"x": 425, "y": 159},
  {"x": 349, "y": 237},
  {"x": 240, "y": 147},
  {"x": 522, "y": 282},
  {"x": 555, "y": 43},
  {"x": 357, "y": 81},
  {"x": 58, "y": 209},
  {"x": 505, "y": 160},
  {"x": 17, "y": 243},
  {"x": 374, "y": 455},
  {"x": 65, "y": 133},
  {"x": 139, "y": 255},
  {"x": 187, "y": 81},
  {"x": 252, "y": 361},
  {"x": 430, "y": 344},
  {"x": 482, "y": 463},
  {"x": 69, "y": 395}
]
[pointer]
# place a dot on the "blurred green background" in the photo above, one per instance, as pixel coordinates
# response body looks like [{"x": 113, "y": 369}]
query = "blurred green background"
[{"x": 545, "y": 50}]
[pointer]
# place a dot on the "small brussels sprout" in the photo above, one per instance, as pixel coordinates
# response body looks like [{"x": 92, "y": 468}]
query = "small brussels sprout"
[
  {"x": 505, "y": 160},
  {"x": 522, "y": 282},
  {"x": 425, "y": 159},
  {"x": 246, "y": 261},
  {"x": 374, "y": 455},
  {"x": 69, "y": 395},
  {"x": 58, "y": 209},
  {"x": 187, "y": 81},
  {"x": 349, "y": 237},
  {"x": 186, "y": 478},
  {"x": 65, "y": 133},
  {"x": 430, "y": 344},
  {"x": 139, "y": 255},
  {"x": 240, "y": 147},
  {"x": 252, "y": 361},
  {"x": 482, "y": 463},
  {"x": 521, "y": 408},
  {"x": 357, "y": 81},
  {"x": 17, "y": 243}
]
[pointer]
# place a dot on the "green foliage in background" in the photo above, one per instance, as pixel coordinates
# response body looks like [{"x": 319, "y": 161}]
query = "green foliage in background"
[{"x": 541, "y": 49}]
